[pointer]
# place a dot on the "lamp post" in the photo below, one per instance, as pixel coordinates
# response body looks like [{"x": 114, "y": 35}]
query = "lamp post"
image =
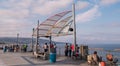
[
  {"x": 17, "y": 38},
  {"x": 32, "y": 39},
  {"x": 37, "y": 43}
]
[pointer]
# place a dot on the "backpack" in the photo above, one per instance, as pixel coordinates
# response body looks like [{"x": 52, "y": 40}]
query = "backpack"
[{"x": 115, "y": 60}]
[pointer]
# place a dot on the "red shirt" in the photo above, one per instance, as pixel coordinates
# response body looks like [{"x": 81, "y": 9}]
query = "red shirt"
[{"x": 72, "y": 47}]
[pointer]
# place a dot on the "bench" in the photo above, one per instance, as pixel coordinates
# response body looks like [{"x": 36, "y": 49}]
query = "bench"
[{"x": 43, "y": 55}]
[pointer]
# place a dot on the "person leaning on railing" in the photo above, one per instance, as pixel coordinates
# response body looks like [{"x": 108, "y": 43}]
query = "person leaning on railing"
[{"x": 112, "y": 60}]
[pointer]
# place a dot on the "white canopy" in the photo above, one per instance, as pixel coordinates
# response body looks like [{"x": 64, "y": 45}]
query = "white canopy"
[{"x": 57, "y": 25}]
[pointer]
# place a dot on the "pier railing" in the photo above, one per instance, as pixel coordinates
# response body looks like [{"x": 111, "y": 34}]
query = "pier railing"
[{"x": 101, "y": 52}]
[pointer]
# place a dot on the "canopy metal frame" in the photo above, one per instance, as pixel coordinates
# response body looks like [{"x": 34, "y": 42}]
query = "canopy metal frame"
[{"x": 54, "y": 25}]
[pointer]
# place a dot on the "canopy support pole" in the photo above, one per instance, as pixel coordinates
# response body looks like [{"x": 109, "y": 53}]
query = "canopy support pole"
[
  {"x": 32, "y": 40},
  {"x": 37, "y": 43},
  {"x": 74, "y": 25},
  {"x": 50, "y": 38}
]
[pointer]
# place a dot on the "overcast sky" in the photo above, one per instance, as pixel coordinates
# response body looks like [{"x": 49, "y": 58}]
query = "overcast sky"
[{"x": 98, "y": 21}]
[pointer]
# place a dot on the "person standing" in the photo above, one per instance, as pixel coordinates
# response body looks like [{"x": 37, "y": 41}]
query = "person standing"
[
  {"x": 45, "y": 47},
  {"x": 69, "y": 50},
  {"x": 66, "y": 49},
  {"x": 73, "y": 49},
  {"x": 54, "y": 48},
  {"x": 95, "y": 58},
  {"x": 4, "y": 49}
]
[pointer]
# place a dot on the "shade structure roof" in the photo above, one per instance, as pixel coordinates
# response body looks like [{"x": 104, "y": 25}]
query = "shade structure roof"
[{"x": 56, "y": 25}]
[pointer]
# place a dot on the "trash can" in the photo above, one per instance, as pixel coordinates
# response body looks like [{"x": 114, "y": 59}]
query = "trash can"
[
  {"x": 52, "y": 57},
  {"x": 4, "y": 50}
]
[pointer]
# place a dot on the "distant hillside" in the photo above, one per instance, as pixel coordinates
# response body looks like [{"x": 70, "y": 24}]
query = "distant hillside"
[{"x": 13, "y": 40}]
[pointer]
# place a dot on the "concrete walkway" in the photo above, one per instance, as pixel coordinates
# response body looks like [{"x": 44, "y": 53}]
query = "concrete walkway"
[
  {"x": 2, "y": 64},
  {"x": 27, "y": 59}
]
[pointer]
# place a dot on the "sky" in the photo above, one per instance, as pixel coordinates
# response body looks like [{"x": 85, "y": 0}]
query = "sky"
[{"x": 97, "y": 21}]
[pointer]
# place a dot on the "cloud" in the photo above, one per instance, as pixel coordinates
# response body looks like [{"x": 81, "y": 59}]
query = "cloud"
[
  {"x": 99, "y": 38},
  {"x": 16, "y": 16},
  {"x": 15, "y": 8},
  {"x": 10, "y": 27},
  {"x": 9, "y": 13},
  {"x": 88, "y": 15},
  {"x": 109, "y": 25},
  {"x": 48, "y": 7},
  {"x": 108, "y": 2},
  {"x": 115, "y": 24},
  {"x": 82, "y": 4},
  {"x": 16, "y": 4}
]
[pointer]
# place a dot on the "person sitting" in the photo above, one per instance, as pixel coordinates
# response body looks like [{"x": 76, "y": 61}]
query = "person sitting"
[
  {"x": 89, "y": 59},
  {"x": 95, "y": 58},
  {"x": 111, "y": 59}
]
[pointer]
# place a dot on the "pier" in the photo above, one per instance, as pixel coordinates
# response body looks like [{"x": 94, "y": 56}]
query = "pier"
[{"x": 27, "y": 59}]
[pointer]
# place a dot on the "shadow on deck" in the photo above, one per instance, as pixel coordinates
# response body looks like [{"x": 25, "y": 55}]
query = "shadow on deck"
[{"x": 61, "y": 61}]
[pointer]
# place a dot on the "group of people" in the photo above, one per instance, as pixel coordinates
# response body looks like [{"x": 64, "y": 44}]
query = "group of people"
[
  {"x": 52, "y": 48},
  {"x": 15, "y": 48},
  {"x": 96, "y": 60},
  {"x": 93, "y": 58},
  {"x": 70, "y": 50},
  {"x": 11, "y": 48}
]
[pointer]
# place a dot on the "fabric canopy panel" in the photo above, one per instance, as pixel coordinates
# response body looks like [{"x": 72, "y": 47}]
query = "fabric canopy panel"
[{"x": 57, "y": 25}]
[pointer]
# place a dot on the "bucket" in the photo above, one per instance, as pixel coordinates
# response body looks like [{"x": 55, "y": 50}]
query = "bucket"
[{"x": 52, "y": 57}]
